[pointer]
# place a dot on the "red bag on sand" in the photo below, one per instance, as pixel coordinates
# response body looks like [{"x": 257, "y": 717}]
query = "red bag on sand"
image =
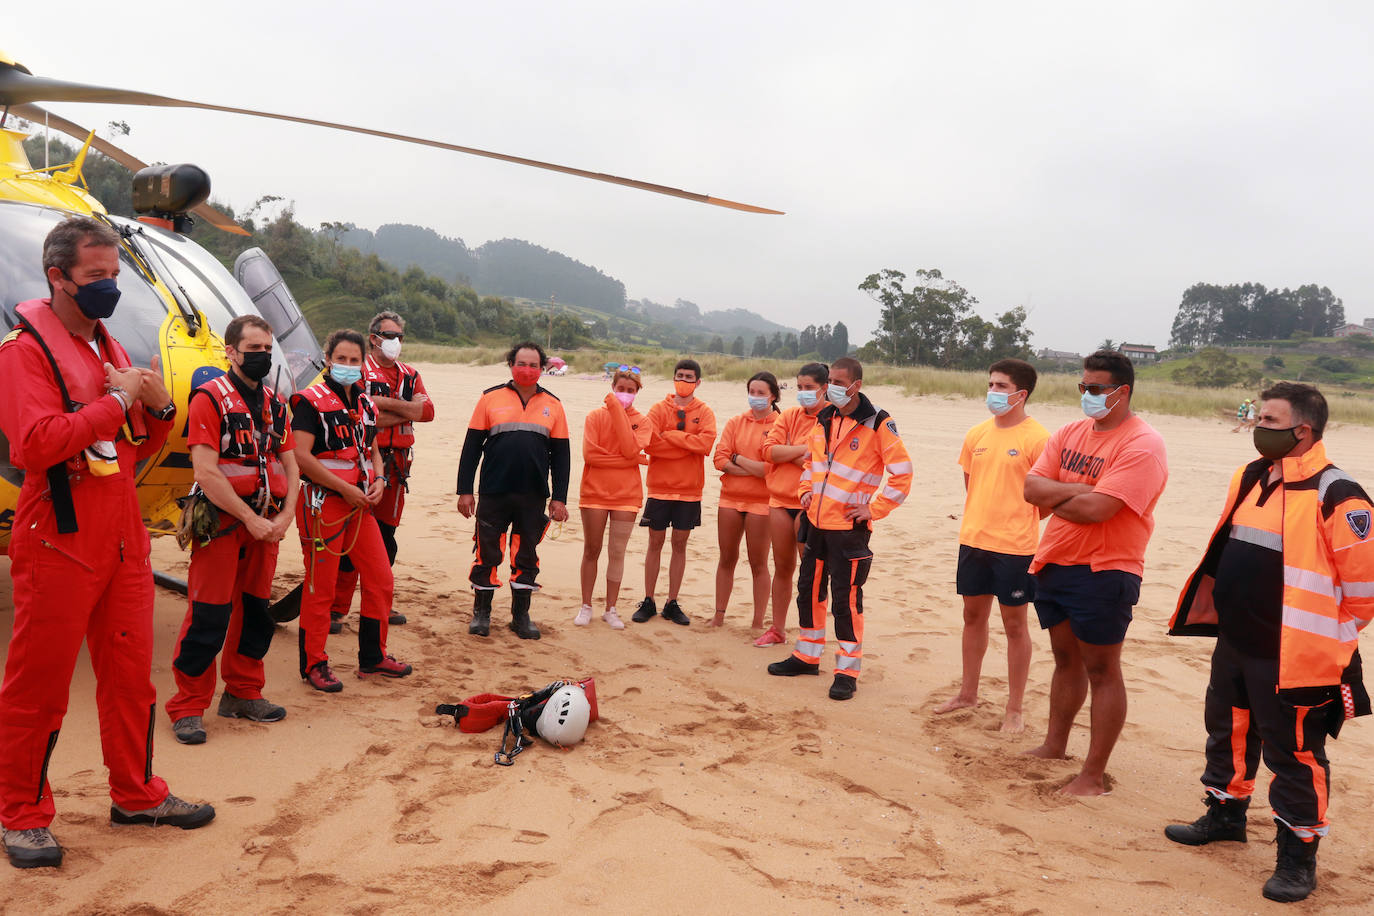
[{"x": 484, "y": 710}]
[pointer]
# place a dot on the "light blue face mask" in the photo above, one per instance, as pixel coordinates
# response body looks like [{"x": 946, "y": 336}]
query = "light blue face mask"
[
  {"x": 345, "y": 375},
  {"x": 998, "y": 402},
  {"x": 837, "y": 395},
  {"x": 808, "y": 399},
  {"x": 1095, "y": 405},
  {"x": 757, "y": 403}
]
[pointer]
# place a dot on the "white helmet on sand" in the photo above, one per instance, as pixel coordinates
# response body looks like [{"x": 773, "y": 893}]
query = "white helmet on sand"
[{"x": 564, "y": 719}]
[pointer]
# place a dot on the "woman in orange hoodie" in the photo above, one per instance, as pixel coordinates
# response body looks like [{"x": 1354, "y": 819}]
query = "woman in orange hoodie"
[
  {"x": 786, "y": 449},
  {"x": 744, "y": 495},
  {"x": 613, "y": 441}
]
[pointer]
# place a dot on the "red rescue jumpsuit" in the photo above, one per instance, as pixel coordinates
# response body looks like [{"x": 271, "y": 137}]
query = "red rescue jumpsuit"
[
  {"x": 93, "y": 583},
  {"x": 231, "y": 609},
  {"x": 396, "y": 442},
  {"x": 329, "y": 526}
]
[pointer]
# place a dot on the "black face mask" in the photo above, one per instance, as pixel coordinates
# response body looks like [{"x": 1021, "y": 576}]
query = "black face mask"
[
  {"x": 256, "y": 365},
  {"x": 1275, "y": 443},
  {"x": 97, "y": 300}
]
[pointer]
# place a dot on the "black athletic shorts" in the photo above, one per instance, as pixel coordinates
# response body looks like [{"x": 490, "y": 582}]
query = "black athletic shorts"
[
  {"x": 1097, "y": 605},
  {"x": 660, "y": 514},
  {"x": 984, "y": 572}
]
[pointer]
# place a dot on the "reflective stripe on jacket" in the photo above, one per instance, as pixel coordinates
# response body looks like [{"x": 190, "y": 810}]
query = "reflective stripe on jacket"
[
  {"x": 1328, "y": 574},
  {"x": 849, "y": 455},
  {"x": 343, "y": 444}
]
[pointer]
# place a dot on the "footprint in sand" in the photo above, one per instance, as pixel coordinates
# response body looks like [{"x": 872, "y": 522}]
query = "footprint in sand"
[{"x": 240, "y": 800}]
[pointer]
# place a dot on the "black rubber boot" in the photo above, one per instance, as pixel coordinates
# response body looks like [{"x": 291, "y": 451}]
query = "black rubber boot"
[
  {"x": 791, "y": 666},
  {"x": 1224, "y": 820},
  {"x": 481, "y": 612},
  {"x": 520, "y": 622},
  {"x": 1295, "y": 873}
]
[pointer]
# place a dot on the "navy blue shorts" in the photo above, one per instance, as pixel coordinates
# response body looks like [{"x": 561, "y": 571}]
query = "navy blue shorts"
[
  {"x": 659, "y": 514},
  {"x": 985, "y": 572},
  {"x": 1097, "y": 605}
]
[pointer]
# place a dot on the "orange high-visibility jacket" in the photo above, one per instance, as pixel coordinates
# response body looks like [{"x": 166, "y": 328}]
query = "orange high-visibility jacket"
[
  {"x": 848, "y": 457},
  {"x": 1328, "y": 574}
]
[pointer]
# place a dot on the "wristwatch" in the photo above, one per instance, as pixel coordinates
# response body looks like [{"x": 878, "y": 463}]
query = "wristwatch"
[{"x": 166, "y": 413}]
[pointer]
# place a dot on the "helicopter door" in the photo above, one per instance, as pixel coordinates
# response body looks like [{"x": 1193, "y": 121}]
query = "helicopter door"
[{"x": 262, "y": 281}]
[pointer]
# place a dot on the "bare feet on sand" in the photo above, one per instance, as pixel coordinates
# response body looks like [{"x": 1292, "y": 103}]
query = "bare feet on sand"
[
  {"x": 1013, "y": 724},
  {"x": 953, "y": 703},
  {"x": 1085, "y": 785},
  {"x": 1045, "y": 752},
  {"x": 718, "y": 620}
]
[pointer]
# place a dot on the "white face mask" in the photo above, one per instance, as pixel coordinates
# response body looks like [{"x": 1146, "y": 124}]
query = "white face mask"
[
  {"x": 838, "y": 395},
  {"x": 391, "y": 349}
]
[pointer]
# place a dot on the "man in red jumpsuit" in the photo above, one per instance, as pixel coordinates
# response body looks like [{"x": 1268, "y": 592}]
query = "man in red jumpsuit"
[
  {"x": 401, "y": 400},
  {"x": 243, "y": 454},
  {"x": 78, "y": 418}
]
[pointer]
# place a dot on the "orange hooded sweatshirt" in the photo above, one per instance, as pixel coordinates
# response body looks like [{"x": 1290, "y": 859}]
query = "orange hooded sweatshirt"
[
  {"x": 677, "y": 467},
  {"x": 793, "y": 427},
  {"x": 613, "y": 441},
  {"x": 743, "y": 435}
]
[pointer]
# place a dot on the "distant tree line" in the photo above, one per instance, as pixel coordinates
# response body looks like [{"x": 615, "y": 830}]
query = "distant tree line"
[
  {"x": 933, "y": 324},
  {"x": 814, "y": 343},
  {"x": 1214, "y": 314}
]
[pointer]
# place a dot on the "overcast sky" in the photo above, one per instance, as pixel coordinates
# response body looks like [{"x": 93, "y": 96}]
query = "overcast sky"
[{"x": 1087, "y": 160}]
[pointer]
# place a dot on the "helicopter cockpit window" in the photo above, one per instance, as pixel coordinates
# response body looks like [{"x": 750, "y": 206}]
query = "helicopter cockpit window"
[{"x": 263, "y": 282}]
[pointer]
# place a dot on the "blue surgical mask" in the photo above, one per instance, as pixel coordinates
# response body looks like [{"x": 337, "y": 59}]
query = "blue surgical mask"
[
  {"x": 808, "y": 399},
  {"x": 837, "y": 395},
  {"x": 97, "y": 300},
  {"x": 345, "y": 375},
  {"x": 998, "y": 402},
  {"x": 757, "y": 403},
  {"x": 1095, "y": 405}
]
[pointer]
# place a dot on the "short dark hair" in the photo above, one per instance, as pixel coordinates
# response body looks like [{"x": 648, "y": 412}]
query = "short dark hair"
[
  {"x": 527, "y": 345},
  {"x": 688, "y": 364},
  {"x": 1119, "y": 365},
  {"x": 817, "y": 372},
  {"x": 233, "y": 333},
  {"x": 771, "y": 381},
  {"x": 344, "y": 335},
  {"x": 850, "y": 365},
  {"x": 62, "y": 247},
  {"x": 1307, "y": 403},
  {"x": 1021, "y": 373}
]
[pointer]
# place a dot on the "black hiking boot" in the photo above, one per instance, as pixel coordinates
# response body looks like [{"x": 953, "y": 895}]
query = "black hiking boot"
[
  {"x": 481, "y": 612},
  {"x": 1224, "y": 820},
  {"x": 1295, "y": 873}
]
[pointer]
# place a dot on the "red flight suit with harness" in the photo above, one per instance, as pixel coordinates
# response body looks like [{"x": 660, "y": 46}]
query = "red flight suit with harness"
[
  {"x": 224, "y": 608},
  {"x": 330, "y": 528},
  {"x": 397, "y": 443},
  {"x": 79, "y": 560}
]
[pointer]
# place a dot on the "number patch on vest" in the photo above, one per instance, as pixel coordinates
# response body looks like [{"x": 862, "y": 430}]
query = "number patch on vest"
[{"x": 1358, "y": 520}]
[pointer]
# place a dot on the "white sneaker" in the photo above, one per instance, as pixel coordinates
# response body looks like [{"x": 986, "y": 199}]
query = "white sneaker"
[
  {"x": 613, "y": 619},
  {"x": 584, "y": 616}
]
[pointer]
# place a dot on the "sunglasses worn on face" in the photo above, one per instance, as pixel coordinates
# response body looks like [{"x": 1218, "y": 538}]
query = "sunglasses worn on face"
[
  {"x": 1096, "y": 390},
  {"x": 391, "y": 335}
]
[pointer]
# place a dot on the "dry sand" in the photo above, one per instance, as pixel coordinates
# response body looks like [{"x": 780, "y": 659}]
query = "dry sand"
[{"x": 707, "y": 785}]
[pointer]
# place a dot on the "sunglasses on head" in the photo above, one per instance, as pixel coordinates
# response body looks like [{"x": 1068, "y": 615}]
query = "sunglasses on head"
[
  {"x": 633, "y": 370},
  {"x": 1096, "y": 390},
  {"x": 390, "y": 335}
]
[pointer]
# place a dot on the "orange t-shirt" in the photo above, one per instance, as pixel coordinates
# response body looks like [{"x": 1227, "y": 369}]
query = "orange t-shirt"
[
  {"x": 1129, "y": 463},
  {"x": 792, "y": 427},
  {"x": 743, "y": 435},
  {"x": 997, "y": 460},
  {"x": 613, "y": 440}
]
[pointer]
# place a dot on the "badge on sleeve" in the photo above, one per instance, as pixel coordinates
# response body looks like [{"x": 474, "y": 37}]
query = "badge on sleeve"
[
  {"x": 1358, "y": 520},
  {"x": 891, "y": 426}
]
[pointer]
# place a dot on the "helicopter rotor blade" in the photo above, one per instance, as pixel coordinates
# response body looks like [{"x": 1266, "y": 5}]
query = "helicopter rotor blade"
[
  {"x": 18, "y": 87},
  {"x": 37, "y": 115}
]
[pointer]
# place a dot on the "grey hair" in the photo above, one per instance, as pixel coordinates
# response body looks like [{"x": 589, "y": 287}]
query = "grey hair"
[{"x": 384, "y": 316}]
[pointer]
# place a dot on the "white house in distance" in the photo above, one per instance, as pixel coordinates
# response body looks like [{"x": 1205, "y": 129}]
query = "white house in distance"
[
  {"x": 1139, "y": 353},
  {"x": 1351, "y": 330}
]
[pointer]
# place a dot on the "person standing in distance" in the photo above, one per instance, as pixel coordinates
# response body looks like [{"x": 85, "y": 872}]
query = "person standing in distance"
[
  {"x": 1101, "y": 478},
  {"x": 1285, "y": 585},
  {"x": 399, "y": 395},
  {"x": 998, "y": 536},
  {"x": 519, "y": 436},
  {"x": 244, "y": 458},
  {"x": 681, "y": 431},
  {"x": 79, "y": 417},
  {"x": 852, "y": 445}
]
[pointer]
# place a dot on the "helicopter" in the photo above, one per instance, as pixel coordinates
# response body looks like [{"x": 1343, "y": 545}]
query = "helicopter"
[{"x": 176, "y": 297}]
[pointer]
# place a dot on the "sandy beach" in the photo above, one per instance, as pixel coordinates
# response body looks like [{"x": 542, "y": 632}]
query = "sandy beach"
[{"x": 707, "y": 785}]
